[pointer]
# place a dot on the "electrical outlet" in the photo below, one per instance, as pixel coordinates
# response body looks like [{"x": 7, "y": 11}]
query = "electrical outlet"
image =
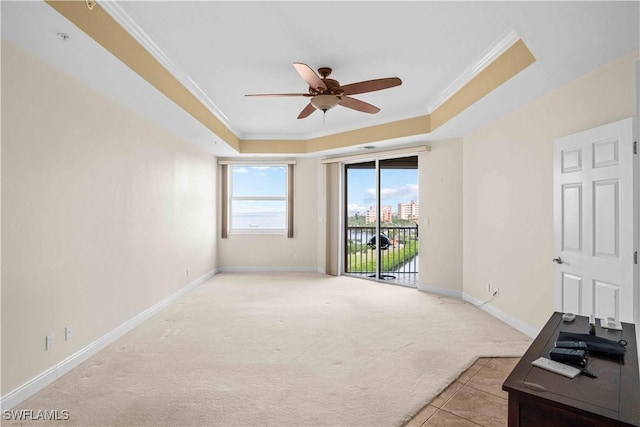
[
  {"x": 67, "y": 333},
  {"x": 49, "y": 342}
]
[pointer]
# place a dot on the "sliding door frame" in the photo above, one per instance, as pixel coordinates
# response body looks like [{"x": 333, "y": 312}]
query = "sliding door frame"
[
  {"x": 344, "y": 166},
  {"x": 341, "y": 214}
]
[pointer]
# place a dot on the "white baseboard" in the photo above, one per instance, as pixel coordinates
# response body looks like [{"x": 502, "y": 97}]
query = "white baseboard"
[
  {"x": 447, "y": 292},
  {"x": 246, "y": 269},
  {"x": 515, "y": 323},
  {"x": 48, "y": 376}
]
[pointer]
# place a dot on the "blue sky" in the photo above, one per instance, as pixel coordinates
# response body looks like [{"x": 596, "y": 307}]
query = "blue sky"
[
  {"x": 396, "y": 186},
  {"x": 259, "y": 181}
]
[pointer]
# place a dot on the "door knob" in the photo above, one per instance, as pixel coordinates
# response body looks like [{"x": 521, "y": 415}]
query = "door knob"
[{"x": 557, "y": 260}]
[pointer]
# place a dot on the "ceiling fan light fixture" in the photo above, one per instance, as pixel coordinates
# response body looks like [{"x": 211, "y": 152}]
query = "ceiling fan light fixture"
[{"x": 324, "y": 102}]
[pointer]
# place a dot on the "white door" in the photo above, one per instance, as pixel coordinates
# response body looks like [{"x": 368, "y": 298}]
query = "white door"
[{"x": 594, "y": 222}]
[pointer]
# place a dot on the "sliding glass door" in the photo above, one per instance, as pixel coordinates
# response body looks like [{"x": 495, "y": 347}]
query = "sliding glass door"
[
  {"x": 381, "y": 220},
  {"x": 361, "y": 206}
]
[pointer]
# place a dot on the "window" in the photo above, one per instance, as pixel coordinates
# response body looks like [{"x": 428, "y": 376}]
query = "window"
[{"x": 259, "y": 199}]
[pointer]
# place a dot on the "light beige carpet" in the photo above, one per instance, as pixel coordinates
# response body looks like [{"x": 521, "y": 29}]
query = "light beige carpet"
[{"x": 281, "y": 349}]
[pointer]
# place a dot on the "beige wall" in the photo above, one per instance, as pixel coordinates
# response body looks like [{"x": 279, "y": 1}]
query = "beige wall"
[
  {"x": 441, "y": 217},
  {"x": 508, "y": 210},
  {"x": 278, "y": 252},
  {"x": 1, "y": 393},
  {"x": 102, "y": 214}
]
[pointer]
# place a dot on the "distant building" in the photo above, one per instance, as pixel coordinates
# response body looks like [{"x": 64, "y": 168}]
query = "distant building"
[
  {"x": 370, "y": 215},
  {"x": 387, "y": 214},
  {"x": 409, "y": 211}
]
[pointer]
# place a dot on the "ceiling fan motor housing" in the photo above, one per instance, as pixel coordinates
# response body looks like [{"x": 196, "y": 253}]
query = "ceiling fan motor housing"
[{"x": 333, "y": 86}]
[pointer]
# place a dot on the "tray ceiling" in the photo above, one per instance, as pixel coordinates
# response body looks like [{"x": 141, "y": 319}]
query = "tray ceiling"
[{"x": 221, "y": 51}]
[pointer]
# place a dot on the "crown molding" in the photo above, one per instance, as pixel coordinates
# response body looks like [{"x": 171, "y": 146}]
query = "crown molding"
[
  {"x": 120, "y": 16},
  {"x": 490, "y": 54},
  {"x": 333, "y": 131},
  {"x": 273, "y": 136},
  {"x": 497, "y": 48},
  {"x": 115, "y": 10},
  {"x": 370, "y": 123}
]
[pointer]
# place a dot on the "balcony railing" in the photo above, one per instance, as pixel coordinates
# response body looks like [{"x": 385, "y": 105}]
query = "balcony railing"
[{"x": 398, "y": 254}]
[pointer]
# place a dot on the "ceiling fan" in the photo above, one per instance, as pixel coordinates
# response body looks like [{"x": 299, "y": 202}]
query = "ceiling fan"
[{"x": 326, "y": 93}]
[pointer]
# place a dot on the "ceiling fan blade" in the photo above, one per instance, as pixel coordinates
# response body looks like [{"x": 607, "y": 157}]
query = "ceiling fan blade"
[
  {"x": 306, "y": 112},
  {"x": 371, "y": 85},
  {"x": 313, "y": 80},
  {"x": 279, "y": 94},
  {"x": 356, "y": 104}
]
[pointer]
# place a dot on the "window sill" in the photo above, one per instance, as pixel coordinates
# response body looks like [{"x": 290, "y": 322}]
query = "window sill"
[{"x": 263, "y": 232}]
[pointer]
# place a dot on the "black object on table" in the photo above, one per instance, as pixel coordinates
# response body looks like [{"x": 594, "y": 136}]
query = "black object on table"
[{"x": 541, "y": 398}]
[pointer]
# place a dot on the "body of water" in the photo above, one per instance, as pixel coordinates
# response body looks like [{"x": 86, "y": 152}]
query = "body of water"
[{"x": 259, "y": 221}]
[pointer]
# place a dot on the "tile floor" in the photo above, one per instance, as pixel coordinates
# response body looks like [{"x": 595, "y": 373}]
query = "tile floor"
[{"x": 474, "y": 399}]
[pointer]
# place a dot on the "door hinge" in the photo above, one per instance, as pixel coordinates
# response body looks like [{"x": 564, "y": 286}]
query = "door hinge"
[
  {"x": 635, "y": 257},
  {"x": 635, "y": 147}
]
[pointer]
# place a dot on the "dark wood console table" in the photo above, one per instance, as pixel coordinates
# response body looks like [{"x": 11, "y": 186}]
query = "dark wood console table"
[{"x": 541, "y": 398}]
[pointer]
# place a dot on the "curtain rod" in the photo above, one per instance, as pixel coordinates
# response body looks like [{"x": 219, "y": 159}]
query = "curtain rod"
[
  {"x": 257, "y": 162},
  {"x": 377, "y": 154}
]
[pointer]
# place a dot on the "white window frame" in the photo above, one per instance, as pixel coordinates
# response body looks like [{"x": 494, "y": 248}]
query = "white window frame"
[{"x": 228, "y": 198}]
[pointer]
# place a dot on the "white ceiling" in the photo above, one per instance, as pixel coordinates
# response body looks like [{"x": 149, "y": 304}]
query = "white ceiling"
[{"x": 228, "y": 49}]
